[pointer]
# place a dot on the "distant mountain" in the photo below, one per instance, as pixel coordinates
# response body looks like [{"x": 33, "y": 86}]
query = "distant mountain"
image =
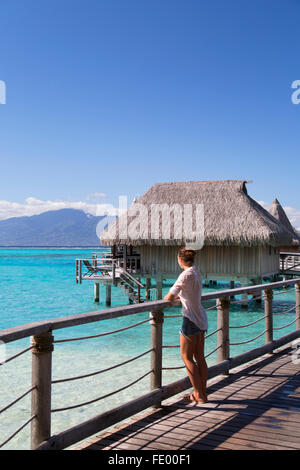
[{"x": 65, "y": 227}]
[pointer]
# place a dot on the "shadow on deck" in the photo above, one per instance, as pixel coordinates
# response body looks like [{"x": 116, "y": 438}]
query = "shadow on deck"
[{"x": 255, "y": 407}]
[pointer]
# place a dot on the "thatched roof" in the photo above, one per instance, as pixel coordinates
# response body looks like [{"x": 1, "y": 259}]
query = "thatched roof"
[
  {"x": 277, "y": 211},
  {"x": 231, "y": 217}
]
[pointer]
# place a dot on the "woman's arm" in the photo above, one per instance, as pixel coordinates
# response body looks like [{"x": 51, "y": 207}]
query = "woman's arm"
[{"x": 171, "y": 297}]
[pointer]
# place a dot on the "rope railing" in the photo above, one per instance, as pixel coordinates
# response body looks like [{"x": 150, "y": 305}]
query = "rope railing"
[
  {"x": 16, "y": 400},
  {"x": 213, "y": 351},
  {"x": 102, "y": 334},
  {"x": 248, "y": 324},
  {"x": 17, "y": 431},
  {"x": 183, "y": 367},
  {"x": 178, "y": 346},
  {"x": 173, "y": 368},
  {"x": 211, "y": 308},
  {"x": 15, "y": 356},
  {"x": 80, "y": 405},
  {"x": 180, "y": 316},
  {"x": 285, "y": 311},
  {"x": 103, "y": 370},
  {"x": 42, "y": 346},
  {"x": 285, "y": 326},
  {"x": 246, "y": 300},
  {"x": 258, "y": 297},
  {"x": 248, "y": 341},
  {"x": 284, "y": 291},
  {"x": 212, "y": 333}
]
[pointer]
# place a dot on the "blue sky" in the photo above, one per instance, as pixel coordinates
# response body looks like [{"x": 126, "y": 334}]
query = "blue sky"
[{"x": 113, "y": 96}]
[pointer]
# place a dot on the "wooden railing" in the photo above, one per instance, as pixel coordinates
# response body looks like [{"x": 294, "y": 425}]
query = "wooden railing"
[
  {"x": 289, "y": 263},
  {"x": 42, "y": 341},
  {"x": 90, "y": 268}
]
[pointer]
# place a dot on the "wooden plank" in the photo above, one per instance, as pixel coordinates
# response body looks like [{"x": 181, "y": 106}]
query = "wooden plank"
[
  {"x": 266, "y": 399},
  {"x": 246, "y": 421},
  {"x": 144, "y": 438},
  {"x": 234, "y": 425},
  {"x": 253, "y": 411},
  {"x": 259, "y": 388},
  {"x": 183, "y": 415},
  {"x": 232, "y": 418},
  {"x": 179, "y": 441},
  {"x": 173, "y": 430},
  {"x": 24, "y": 331},
  {"x": 111, "y": 417}
]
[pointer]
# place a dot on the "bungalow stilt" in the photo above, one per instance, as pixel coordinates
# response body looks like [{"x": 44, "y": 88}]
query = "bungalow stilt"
[
  {"x": 108, "y": 295},
  {"x": 96, "y": 292}
]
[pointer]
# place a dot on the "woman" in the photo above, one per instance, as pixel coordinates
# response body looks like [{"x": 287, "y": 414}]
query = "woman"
[{"x": 188, "y": 288}]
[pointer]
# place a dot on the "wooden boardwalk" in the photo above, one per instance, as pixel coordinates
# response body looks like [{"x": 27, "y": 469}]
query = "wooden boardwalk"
[{"x": 256, "y": 407}]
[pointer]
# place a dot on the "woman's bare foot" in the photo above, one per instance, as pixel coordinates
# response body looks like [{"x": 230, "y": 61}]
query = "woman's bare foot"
[{"x": 194, "y": 398}]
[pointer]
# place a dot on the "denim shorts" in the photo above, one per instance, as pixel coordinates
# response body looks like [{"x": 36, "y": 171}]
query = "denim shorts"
[{"x": 189, "y": 328}]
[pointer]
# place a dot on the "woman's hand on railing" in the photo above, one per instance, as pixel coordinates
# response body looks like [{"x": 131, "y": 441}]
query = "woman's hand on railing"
[{"x": 172, "y": 298}]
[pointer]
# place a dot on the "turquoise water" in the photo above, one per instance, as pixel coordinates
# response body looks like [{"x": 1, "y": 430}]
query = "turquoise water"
[{"x": 38, "y": 284}]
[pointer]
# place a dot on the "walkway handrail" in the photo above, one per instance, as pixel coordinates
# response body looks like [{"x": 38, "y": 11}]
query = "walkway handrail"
[
  {"x": 42, "y": 346},
  {"x": 23, "y": 331},
  {"x": 33, "y": 329}
]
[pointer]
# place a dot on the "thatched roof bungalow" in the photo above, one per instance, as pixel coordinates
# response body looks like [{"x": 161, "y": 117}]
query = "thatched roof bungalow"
[
  {"x": 241, "y": 239},
  {"x": 277, "y": 211}
]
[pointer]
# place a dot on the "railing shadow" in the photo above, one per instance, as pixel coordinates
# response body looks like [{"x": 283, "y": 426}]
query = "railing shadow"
[{"x": 192, "y": 427}]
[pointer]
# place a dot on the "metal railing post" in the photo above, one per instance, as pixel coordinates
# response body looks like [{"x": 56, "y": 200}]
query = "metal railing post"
[
  {"x": 156, "y": 322},
  {"x": 223, "y": 329},
  {"x": 297, "y": 288},
  {"x": 139, "y": 293},
  {"x": 96, "y": 292},
  {"x": 114, "y": 272},
  {"x": 41, "y": 394},
  {"x": 268, "y": 297}
]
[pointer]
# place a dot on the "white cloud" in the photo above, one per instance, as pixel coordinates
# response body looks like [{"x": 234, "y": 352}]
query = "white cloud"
[
  {"x": 34, "y": 206},
  {"x": 292, "y": 213},
  {"x": 96, "y": 195},
  {"x": 266, "y": 205}
]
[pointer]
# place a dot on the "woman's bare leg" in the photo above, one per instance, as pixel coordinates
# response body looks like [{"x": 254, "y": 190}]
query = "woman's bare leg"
[
  {"x": 201, "y": 363},
  {"x": 188, "y": 347}
]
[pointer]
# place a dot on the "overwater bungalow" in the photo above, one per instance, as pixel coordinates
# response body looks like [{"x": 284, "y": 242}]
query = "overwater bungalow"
[
  {"x": 241, "y": 239},
  {"x": 277, "y": 211}
]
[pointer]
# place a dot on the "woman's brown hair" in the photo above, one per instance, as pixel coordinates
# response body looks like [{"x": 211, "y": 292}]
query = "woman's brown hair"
[{"x": 187, "y": 256}]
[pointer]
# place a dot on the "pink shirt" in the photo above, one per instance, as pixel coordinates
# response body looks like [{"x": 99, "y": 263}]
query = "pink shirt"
[{"x": 189, "y": 289}]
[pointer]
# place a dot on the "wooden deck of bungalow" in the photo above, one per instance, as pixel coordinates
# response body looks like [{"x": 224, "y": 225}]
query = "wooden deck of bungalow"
[
  {"x": 289, "y": 263},
  {"x": 256, "y": 407},
  {"x": 125, "y": 272}
]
